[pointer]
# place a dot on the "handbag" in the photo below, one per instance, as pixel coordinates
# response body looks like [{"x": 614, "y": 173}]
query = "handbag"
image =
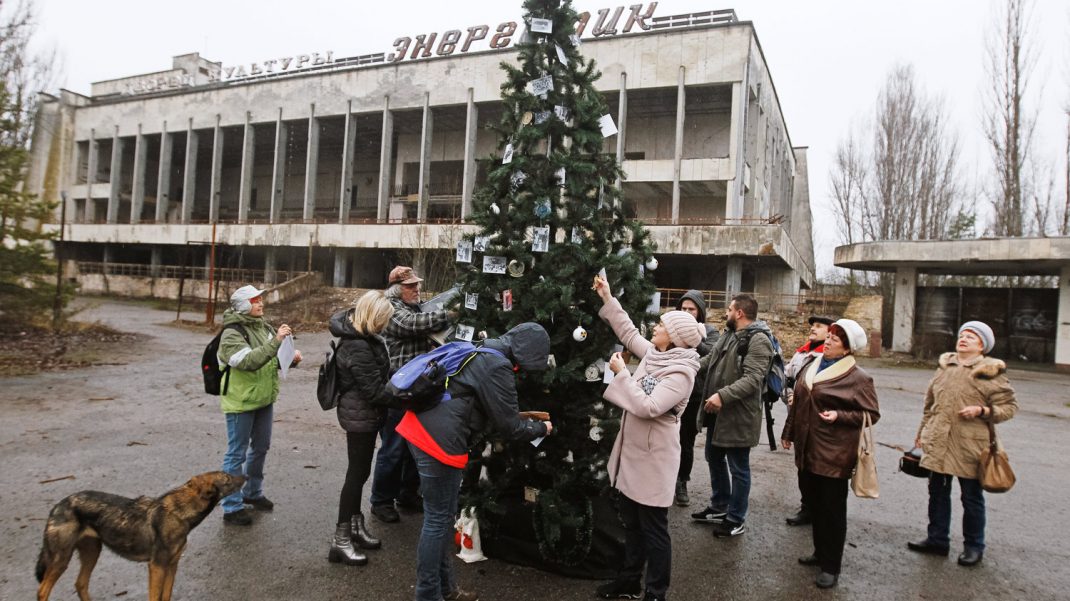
[
  {"x": 864, "y": 480},
  {"x": 994, "y": 470},
  {"x": 910, "y": 464}
]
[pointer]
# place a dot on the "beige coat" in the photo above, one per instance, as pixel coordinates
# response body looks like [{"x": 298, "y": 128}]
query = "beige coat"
[
  {"x": 953, "y": 445},
  {"x": 646, "y": 453}
]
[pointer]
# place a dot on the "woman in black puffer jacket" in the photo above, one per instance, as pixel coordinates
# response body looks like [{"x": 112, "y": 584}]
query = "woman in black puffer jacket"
[{"x": 363, "y": 372}]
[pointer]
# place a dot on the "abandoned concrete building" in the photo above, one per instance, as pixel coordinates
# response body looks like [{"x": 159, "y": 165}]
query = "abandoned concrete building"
[{"x": 344, "y": 164}]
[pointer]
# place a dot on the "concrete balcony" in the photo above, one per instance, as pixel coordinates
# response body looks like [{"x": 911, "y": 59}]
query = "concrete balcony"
[{"x": 690, "y": 170}]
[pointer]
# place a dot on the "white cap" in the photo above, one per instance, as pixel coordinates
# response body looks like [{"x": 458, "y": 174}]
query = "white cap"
[
  {"x": 856, "y": 336},
  {"x": 241, "y": 297}
]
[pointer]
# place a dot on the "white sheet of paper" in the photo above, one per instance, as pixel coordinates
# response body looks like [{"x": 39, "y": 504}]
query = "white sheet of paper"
[
  {"x": 538, "y": 441},
  {"x": 561, "y": 56},
  {"x": 507, "y": 156},
  {"x": 286, "y": 355},
  {"x": 608, "y": 127},
  {"x": 542, "y": 25},
  {"x": 542, "y": 85},
  {"x": 655, "y": 303}
]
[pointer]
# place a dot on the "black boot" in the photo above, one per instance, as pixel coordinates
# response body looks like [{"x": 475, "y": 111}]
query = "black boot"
[
  {"x": 342, "y": 550},
  {"x": 361, "y": 537},
  {"x": 801, "y": 517}
]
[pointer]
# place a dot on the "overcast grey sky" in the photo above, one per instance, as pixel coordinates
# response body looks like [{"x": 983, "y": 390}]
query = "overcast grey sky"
[{"x": 827, "y": 58}]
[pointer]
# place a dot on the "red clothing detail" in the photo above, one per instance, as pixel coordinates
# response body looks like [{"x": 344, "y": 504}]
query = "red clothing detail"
[
  {"x": 806, "y": 348},
  {"x": 413, "y": 431}
]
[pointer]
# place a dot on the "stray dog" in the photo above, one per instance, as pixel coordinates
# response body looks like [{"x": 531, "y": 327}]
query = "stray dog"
[{"x": 141, "y": 529}]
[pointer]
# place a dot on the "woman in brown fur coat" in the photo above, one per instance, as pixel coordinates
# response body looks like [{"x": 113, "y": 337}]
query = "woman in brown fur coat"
[
  {"x": 832, "y": 397},
  {"x": 968, "y": 391}
]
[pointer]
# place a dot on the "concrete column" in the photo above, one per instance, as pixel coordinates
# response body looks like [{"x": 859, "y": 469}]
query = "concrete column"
[
  {"x": 137, "y": 195},
  {"x": 349, "y": 135},
  {"x": 163, "y": 178},
  {"x": 733, "y": 206},
  {"x": 426, "y": 130},
  {"x": 385, "y": 160},
  {"x": 622, "y": 120},
  {"x": 248, "y": 155},
  {"x": 269, "y": 266},
  {"x": 109, "y": 256},
  {"x": 311, "y": 163},
  {"x": 217, "y": 171},
  {"x": 341, "y": 265},
  {"x": 468, "y": 179},
  {"x": 733, "y": 279},
  {"x": 155, "y": 261},
  {"x": 116, "y": 176},
  {"x": 189, "y": 174},
  {"x": 906, "y": 282},
  {"x": 278, "y": 173},
  {"x": 91, "y": 169},
  {"x": 1062, "y": 327},
  {"x": 678, "y": 153}
]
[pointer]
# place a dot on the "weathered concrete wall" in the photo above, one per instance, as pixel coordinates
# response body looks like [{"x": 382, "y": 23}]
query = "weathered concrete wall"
[
  {"x": 1062, "y": 335},
  {"x": 712, "y": 55}
]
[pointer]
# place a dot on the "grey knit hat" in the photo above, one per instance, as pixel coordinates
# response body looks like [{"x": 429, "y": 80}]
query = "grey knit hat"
[{"x": 988, "y": 339}]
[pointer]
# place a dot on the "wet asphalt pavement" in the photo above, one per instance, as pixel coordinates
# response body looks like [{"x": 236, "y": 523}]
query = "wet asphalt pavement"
[{"x": 144, "y": 425}]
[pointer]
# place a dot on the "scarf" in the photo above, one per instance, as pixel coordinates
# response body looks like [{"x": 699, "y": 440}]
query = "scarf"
[{"x": 677, "y": 359}]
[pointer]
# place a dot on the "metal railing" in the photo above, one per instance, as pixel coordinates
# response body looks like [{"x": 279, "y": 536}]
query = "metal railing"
[{"x": 223, "y": 274}]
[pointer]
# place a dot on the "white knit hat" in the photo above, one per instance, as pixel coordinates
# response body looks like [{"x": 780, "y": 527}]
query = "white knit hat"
[
  {"x": 988, "y": 338},
  {"x": 856, "y": 336},
  {"x": 683, "y": 329}
]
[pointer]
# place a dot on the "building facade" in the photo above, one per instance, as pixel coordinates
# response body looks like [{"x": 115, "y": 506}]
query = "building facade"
[{"x": 346, "y": 163}]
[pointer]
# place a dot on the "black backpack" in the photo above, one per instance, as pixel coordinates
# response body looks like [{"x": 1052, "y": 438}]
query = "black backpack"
[
  {"x": 772, "y": 383},
  {"x": 328, "y": 388},
  {"x": 217, "y": 380}
]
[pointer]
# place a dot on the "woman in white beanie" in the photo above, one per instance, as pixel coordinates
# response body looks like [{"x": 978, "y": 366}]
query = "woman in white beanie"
[
  {"x": 646, "y": 453},
  {"x": 832, "y": 394},
  {"x": 968, "y": 392}
]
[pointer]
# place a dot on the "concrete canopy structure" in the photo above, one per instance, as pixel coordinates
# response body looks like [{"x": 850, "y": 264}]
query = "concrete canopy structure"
[
  {"x": 993, "y": 257},
  {"x": 364, "y": 156}
]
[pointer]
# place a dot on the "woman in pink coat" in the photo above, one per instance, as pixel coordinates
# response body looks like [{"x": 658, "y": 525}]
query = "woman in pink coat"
[{"x": 646, "y": 453}]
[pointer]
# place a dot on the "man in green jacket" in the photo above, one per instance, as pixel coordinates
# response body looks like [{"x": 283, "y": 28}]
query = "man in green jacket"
[
  {"x": 249, "y": 345},
  {"x": 734, "y": 373}
]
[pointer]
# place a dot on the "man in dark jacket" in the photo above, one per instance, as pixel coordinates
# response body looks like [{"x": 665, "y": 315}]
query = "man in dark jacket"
[
  {"x": 734, "y": 372},
  {"x": 482, "y": 396},
  {"x": 692, "y": 302},
  {"x": 407, "y": 335}
]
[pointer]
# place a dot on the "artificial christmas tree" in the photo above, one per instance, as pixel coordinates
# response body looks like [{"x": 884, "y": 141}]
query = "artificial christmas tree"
[{"x": 550, "y": 219}]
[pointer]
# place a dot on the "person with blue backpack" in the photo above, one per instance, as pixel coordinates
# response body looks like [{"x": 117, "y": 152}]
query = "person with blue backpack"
[
  {"x": 735, "y": 373},
  {"x": 479, "y": 395}
]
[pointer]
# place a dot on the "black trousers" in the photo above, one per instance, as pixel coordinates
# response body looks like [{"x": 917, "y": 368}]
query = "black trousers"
[
  {"x": 360, "y": 447},
  {"x": 688, "y": 433},
  {"x": 646, "y": 542},
  {"x": 827, "y": 500}
]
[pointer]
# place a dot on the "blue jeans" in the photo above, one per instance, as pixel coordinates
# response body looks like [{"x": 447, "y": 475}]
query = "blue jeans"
[
  {"x": 441, "y": 486},
  {"x": 395, "y": 475},
  {"x": 973, "y": 506},
  {"x": 248, "y": 441},
  {"x": 729, "y": 493}
]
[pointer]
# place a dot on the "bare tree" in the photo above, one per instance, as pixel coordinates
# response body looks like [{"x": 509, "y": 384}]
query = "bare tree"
[
  {"x": 1008, "y": 124},
  {"x": 905, "y": 186}
]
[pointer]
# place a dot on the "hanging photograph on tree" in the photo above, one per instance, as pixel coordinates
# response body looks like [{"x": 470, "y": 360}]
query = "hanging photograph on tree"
[
  {"x": 542, "y": 26},
  {"x": 480, "y": 243},
  {"x": 494, "y": 264},
  {"x": 464, "y": 251},
  {"x": 540, "y": 242},
  {"x": 471, "y": 301},
  {"x": 464, "y": 332}
]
